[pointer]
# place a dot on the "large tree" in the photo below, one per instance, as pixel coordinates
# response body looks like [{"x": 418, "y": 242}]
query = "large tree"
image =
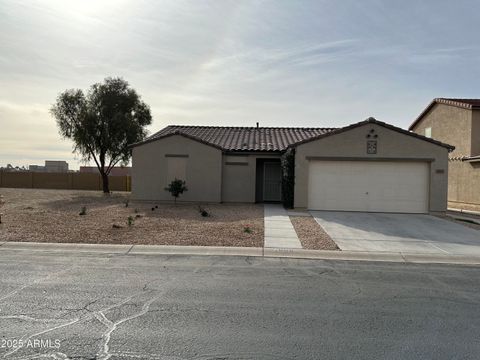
[{"x": 103, "y": 122}]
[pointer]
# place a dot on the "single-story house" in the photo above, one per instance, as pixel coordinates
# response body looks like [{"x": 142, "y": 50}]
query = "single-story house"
[{"x": 367, "y": 166}]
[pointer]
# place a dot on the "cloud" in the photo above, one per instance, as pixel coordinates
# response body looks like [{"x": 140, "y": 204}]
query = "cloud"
[{"x": 286, "y": 63}]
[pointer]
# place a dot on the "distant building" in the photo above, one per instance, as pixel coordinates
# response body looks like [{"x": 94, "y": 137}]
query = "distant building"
[
  {"x": 36, "y": 168},
  {"x": 116, "y": 170},
  {"x": 50, "y": 166}
]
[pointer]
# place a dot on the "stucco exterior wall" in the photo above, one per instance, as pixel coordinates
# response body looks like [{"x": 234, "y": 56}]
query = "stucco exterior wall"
[
  {"x": 464, "y": 185},
  {"x": 461, "y": 128},
  {"x": 391, "y": 144},
  {"x": 451, "y": 125},
  {"x": 203, "y": 170},
  {"x": 475, "y": 133},
  {"x": 239, "y": 176}
]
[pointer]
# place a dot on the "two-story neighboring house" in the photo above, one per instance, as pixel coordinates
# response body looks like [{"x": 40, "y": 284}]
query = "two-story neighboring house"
[{"x": 456, "y": 122}]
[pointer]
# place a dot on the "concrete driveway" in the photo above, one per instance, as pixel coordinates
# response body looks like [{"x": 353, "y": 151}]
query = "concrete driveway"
[{"x": 406, "y": 233}]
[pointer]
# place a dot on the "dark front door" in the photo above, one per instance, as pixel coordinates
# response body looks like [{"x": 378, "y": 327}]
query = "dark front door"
[{"x": 272, "y": 181}]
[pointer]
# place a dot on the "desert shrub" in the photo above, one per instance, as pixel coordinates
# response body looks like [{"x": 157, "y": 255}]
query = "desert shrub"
[
  {"x": 83, "y": 211},
  {"x": 203, "y": 212},
  {"x": 176, "y": 188},
  {"x": 130, "y": 221},
  {"x": 247, "y": 229},
  {"x": 288, "y": 178},
  {"x": 127, "y": 203}
]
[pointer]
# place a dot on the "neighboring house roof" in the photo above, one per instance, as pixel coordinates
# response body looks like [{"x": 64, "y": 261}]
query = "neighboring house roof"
[
  {"x": 266, "y": 138},
  {"x": 470, "y": 104},
  {"x": 241, "y": 138},
  {"x": 372, "y": 120}
]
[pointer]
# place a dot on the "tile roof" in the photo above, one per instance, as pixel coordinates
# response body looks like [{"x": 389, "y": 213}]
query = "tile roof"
[
  {"x": 274, "y": 139},
  {"x": 469, "y": 104},
  {"x": 242, "y": 138}
]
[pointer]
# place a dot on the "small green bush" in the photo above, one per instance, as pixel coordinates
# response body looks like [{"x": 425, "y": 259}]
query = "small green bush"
[
  {"x": 83, "y": 211},
  {"x": 130, "y": 221},
  {"x": 176, "y": 188}
]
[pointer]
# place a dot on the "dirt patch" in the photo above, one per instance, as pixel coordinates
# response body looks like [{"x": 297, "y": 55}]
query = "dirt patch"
[
  {"x": 311, "y": 234},
  {"x": 54, "y": 216}
]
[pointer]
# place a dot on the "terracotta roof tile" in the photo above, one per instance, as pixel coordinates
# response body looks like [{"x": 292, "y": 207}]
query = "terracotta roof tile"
[
  {"x": 243, "y": 138},
  {"x": 275, "y": 139}
]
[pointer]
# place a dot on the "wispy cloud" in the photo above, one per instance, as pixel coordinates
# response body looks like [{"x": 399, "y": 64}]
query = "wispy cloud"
[{"x": 310, "y": 63}]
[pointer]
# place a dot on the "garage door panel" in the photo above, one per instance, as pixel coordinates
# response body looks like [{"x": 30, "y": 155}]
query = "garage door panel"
[{"x": 368, "y": 186}]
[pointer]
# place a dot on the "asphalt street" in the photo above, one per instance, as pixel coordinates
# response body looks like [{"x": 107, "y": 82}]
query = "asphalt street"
[{"x": 85, "y": 306}]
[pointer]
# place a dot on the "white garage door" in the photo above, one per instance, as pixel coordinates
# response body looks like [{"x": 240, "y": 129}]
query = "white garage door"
[{"x": 375, "y": 186}]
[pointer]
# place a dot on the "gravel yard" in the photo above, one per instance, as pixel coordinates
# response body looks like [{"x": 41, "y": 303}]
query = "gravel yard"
[
  {"x": 53, "y": 216},
  {"x": 311, "y": 234}
]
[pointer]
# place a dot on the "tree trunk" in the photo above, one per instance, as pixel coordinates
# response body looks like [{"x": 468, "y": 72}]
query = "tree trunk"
[{"x": 106, "y": 188}]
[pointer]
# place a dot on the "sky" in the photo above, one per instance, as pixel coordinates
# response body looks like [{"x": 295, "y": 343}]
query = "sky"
[{"x": 232, "y": 63}]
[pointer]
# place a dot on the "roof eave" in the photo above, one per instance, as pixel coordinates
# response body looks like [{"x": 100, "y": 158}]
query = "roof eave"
[
  {"x": 194, "y": 138},
  {"x": 443, "y": 102},
  {"x": 372, "y": 120}
]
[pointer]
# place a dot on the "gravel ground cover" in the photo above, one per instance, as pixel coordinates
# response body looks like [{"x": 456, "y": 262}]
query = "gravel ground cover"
[
  {"x": 54, "y": 216},
  {"x": 311, "y": 234}
]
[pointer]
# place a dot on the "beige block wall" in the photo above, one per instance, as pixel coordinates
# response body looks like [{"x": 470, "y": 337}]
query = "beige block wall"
[
  {"x": 391, "y": 144},
  {"x": 16, "y": 179},
  {"x": 239, "y": 180},
  {"x": 86, "y": 181},
  {"x": 51, "y": 180},
  {"x": 203, "y": 170},
  {"x": 464, "y": 185},
  {"x": 72, "y": 181},
  {"x": 450, "y": 125}
]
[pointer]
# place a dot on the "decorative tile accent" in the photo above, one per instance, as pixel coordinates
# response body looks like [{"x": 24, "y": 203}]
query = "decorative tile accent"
[{"x": 371, "y": 146}]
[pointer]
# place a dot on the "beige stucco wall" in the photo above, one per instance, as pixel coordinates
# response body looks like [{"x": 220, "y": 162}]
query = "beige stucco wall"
[
  {"x": 460, "y": 128},
  {"x": 391, "y": 144},
  {"x": 450, "y": 125},
  {"x": 475, "y": 133},
  {"x": 464, "y": 185},
  {"x": 239, "y": 177},
  {"x": 203, "y": 170}
]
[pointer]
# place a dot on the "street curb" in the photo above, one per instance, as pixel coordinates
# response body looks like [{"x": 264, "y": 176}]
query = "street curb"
[
  {"x": 65, "y": 247},
  {"x": 129, "y": 250},
  {"x": 194, "y": 250},
  {"x": 372, "y": 256}
]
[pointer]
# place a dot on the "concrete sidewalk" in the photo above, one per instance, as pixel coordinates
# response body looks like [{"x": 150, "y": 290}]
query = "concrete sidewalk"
[
  {"x": 279, "y": 231},
  {"x": 143, "y": 250}
]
